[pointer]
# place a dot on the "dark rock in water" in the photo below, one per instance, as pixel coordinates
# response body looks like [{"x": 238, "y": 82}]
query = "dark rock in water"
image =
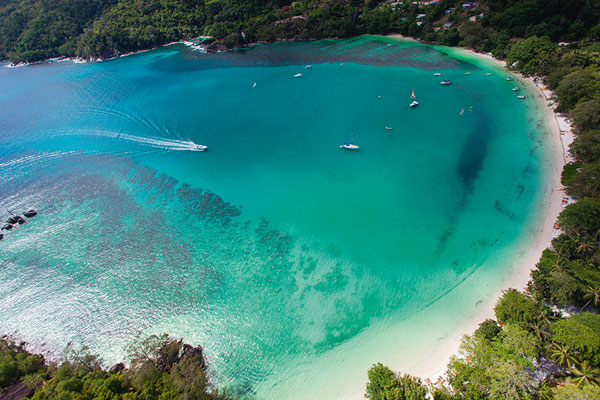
[
  {"x": 8, "y": 227},
  {"x": 216, "y": 47},
  {"x": 13, "y": 220},
  {"x": 117, "y": 368},
  {"x": 195, "y": 352},
  {"x": 30, "y": 213}
]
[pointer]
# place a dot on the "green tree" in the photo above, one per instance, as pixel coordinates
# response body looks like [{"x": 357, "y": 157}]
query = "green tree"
[
  {"x": 586, "y": 114},
  {"x": 385, "y": 385},
  {"x": 534, "y": 55},
  {"x": 584, "y": 374},
  {"x": 582, "y": 334},
  {"x": 578, "y": 86},
  {"x": 586, "y": 146},
  {"x": 516, "y": 308}
]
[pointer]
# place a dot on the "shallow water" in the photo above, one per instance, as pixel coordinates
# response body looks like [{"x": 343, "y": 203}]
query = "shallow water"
[{"x": 287, "y": 258}]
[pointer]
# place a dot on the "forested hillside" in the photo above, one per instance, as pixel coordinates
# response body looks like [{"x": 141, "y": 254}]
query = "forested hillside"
[{"x": 33, "y": 30}]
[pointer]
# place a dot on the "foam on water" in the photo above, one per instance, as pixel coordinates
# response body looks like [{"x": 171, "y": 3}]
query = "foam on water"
[{"x": 288, "y": 259}]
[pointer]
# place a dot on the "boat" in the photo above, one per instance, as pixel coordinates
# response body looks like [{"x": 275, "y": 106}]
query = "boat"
[
  {"x": 462, "y": 111},
  {"x": 414, "y": 104},
  {"x": 308, "y": 67},
  {"x": 515, "y": 89},
  {"x": 389, "y": 128},
  {"x": 254, "y": 84},
  {"x": 349, "y": 146},
  {"x": 467, "y": 73},
  {"x": 200, "y": 147},
  {"x": 509, "y": 78},
  {"x": 412, "y": 96},
  {"x": 445, "y": 83},
  {"x": 437, "y": 74},
  {"x": 520, "y": 97},
  {"x": 298, "y": 76},
  {"x": 488, "y": 74}
]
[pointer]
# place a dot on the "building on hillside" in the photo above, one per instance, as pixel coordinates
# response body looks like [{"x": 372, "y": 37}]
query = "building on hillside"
[{"x": 447, "y": 25}]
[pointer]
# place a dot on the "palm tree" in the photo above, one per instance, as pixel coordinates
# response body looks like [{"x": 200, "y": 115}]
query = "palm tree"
[
  {"x": 585, "y": 247},
  {"x": 544, "y": 392},
  {"x": 562, "y": 355},
  {"x": 585, "y": 374},
  {"x": 592, "y": 295}
]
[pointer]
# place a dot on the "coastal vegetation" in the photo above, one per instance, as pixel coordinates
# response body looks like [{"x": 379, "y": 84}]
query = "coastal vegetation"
[
  {"x": 161, "y": 367},
  {"x": 33, "y": 30},
  {"x": 544, "y": 342}
]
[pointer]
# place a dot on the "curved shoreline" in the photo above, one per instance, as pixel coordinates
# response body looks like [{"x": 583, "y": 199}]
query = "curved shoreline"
[{"x": 433, "y": 364}]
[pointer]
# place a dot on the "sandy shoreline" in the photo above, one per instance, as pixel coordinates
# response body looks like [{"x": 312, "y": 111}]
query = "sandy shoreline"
[{"x": 559, "y": 133}]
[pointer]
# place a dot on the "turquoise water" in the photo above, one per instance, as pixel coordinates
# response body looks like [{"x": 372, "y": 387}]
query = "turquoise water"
[{"x": 287, "y": 258}]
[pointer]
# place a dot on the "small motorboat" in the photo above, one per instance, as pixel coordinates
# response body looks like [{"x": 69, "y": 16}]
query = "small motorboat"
[
  {"x": 437, "y": 74},
  {"x": 1, "y": 236},
  {"x": 20, "y": 220},
  {"x": 467, "y": 73},
  {"x": 488, "y": 74},
  {"x": 200, "y": 147},
  {"x": 298, "y": 76},
  {"x": 30, "y": 213},
  {"x": 413, "y": 96},
  {"x": 515, "y": 89},
  {"x": 349, "y": 146},
  {"x": 389, "y": 128},
  {"x": 446, "y": 83},
  {"x": 13, "y": 220},
  {"x": 462, "y": 111},
  {"x": 8, "y": 227},
  {"x": 308, "y": 67},
  {"x": 520, "y": 97},
  {"x": 254, "y": 85},
  {"x": 414, "y": 104},
  {"x": 509, "y": 78}
]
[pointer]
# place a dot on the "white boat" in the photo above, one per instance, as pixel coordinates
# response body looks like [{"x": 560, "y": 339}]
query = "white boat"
[
  {"x": 298, "y": 76},
  {"x": 445, "y": 83},
  {"x": 520, "y": 97},
  {"x": 349, "y": 146},
  {"x": 516, "y": 89},
  {"x": 462, "y": 111},
  {"x": 414, "y": 103},
  {"x": 308, "y": 67},
  {"x": 488, "y": 74},
  {"x": 200, "y": 147},
  {"x": 509, "y": 79},
  {"x": 254, "y": 84},
  {"x": 412, "y": 96},
  {"x": 389, "y": 128},
  {"x": 437, "y": 74}
]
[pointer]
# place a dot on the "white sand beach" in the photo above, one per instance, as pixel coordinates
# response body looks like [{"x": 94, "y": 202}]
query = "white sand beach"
[{"x": 560, "y": 135}]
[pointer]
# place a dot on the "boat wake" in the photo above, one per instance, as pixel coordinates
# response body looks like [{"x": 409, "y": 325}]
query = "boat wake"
[
  {"x": 167, "y": 144},
  {"x": 34, "y": 157},
  {"x": 156, "y": 142}
]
